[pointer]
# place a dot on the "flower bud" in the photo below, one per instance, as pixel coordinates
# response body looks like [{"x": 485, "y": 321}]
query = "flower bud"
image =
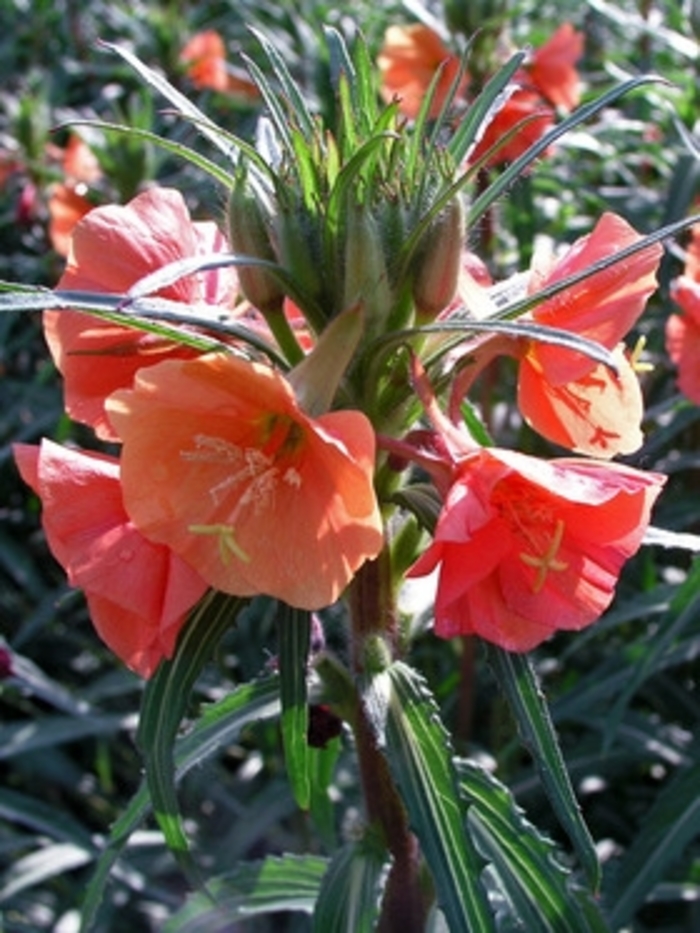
[
  {"x": 365, "y": 276},
  {"x": 249, "y": 233},
  {"x": 439, "y": 262}
]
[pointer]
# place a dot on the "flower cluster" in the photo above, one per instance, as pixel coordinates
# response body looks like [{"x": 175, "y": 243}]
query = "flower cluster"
[{"x": 261, "y": 440}]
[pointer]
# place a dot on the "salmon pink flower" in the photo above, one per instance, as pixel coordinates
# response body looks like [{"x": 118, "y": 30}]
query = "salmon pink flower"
[
  {"x": 111, "y": 249},
  {"x": 204, "y": 57},
  {"x": 526, "y": 547},
  {"x": 408, "y": 61},
  {"x": 138, "y": 592},
  {"x": 66, "y": 207},
  {"x": 221, "y": 464},
  {"x": 683, "y": 336},
  {"x": 553, "y": 67},
  {"x": 565, "y": 395}
]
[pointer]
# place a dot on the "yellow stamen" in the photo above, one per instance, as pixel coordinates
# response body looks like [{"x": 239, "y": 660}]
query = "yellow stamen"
[
  {"x": 635, "y": 357},
  {"x": 227, "y": 542},
  {"x": 547, "y": 561}
]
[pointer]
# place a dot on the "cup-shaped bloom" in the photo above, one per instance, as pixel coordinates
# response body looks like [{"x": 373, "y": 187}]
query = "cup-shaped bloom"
[
  {"x": 138, "y": 592},
  {"x": 221, "y": 464},
  {"x": 112, "y": 248},
  {"x": 526, "y": 547},
  {"x": 683, "y": 336}
]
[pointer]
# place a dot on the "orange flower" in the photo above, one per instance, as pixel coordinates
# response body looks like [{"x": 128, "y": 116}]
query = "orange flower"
[
  {"x": 221, "y": 464},
  {"x": 138, "y": 593},
  {"x": 408, "y": 61},
  {"x": 525, "y": 547},
  {"x": 553, "y": 67},
  {"x": 111, "y": 249},
  {"x": 565, "y": 395},
  {"x": 683, "y": 336},
  {"x": 66, "y": 208},
  {"x": 204, "y": 56}
]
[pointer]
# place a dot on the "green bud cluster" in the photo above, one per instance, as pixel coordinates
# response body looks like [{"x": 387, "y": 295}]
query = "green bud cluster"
[{"x": 367, "y": 215}]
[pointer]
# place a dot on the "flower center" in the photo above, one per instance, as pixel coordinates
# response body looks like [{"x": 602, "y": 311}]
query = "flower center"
[
  {"x": 548, "y": 560},
  {"x": 538, "y": 531},
  {"x": 252, "y": 474}
]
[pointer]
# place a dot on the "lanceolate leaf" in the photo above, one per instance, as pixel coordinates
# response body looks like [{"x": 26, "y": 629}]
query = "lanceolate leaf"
[
  {"x": 671, "y": 824},
  {"x": 497, "y": 188},
  {"x": 419, "y": 754},
  {"x": 181, "y": 103},
  {"x": 165, "y": 702},
  {"x": 219, "y": 724},
  {"x": 349, "y": 897},
  {"x": 518, "y": 681},
  {"x": 294, "y": 637},
  {"x": 535, "y": 887},
  {"x": 288, "y": 882}
]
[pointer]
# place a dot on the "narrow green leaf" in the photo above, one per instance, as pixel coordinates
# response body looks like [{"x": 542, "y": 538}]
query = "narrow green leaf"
[
  {"x": 21, "y": 737},
  {"x": 290, "y": 88},
  {"x": 348, "y": 901},
  {"x": 182, "y": 104},
  {"x": 534, "y": 884},
  {"x": 498, "y": 187},
  {"x": 42, "y": 864},
  {"x": 322, "y": 763},
  {"x": 219, "y": 724},
  {"x": 419, "y": 755},
  {"x": 288, "y": 882},
  {"x": 176, "y": 149},
  {"x": 165, "y": 701},
  {"x": 43, "y": 818},
  {"x": 275, "y": 110},
  {"x": 518, "y": 680},
  {"x": 480, "y": 109},
  {"x": 672, "y": 823},
  {"x": 294, "y": 638},
  {"x": 683, "y": 612}
]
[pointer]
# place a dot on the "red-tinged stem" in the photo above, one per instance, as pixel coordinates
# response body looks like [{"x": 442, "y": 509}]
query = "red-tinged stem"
[{"x": 403, "y": 908}]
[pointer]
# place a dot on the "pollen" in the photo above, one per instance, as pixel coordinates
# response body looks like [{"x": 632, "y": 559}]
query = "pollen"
[{"x": 548, "y": 561}]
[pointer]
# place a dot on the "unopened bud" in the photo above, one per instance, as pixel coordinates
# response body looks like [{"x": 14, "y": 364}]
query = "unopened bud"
[
  {"x": 439, "y": 263},
  {"x": 365, "y": 277},
  {"x": 249, "y": 231}
]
